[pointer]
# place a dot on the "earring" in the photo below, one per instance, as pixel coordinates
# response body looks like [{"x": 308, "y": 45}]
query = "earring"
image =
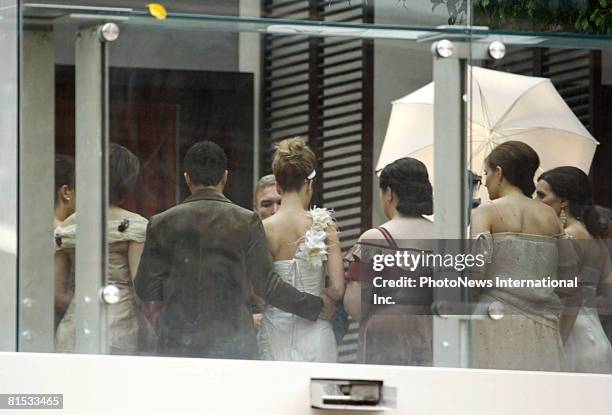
[{"x": 563, "y": 217}]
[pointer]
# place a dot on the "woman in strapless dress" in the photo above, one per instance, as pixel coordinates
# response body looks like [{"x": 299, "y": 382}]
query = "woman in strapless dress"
[
  {"x": 304, "y": 245},
  {"x": 520, "y": 237},
  {"x": 125, "y": 234},
  {"x": 568, "y": 191}
]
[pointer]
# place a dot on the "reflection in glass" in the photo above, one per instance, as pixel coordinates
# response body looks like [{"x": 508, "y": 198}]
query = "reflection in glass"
[
  {"x": 568, "y": 191},
  {"x": 400, "y": 333},
  {"x": 126, "y": 234},
  {"x": 247, "y": 85},
  {"x": 304, "y": 245}
]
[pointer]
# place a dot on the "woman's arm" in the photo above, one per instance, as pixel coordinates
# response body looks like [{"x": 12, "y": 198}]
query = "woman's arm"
[
  {"x": 352, "y": 300},
  {"x": 134, "y": 254},
  {"x": 63, "y": 294},
  {"x": 480, "y": 220},
  {"x": 335, "y": 267}
]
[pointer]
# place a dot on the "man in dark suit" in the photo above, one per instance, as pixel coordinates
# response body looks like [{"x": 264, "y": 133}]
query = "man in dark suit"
[{"x": 199, "y": 261}]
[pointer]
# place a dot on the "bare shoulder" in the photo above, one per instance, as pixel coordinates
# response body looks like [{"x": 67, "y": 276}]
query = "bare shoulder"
[
  {"x": 481, "y": 218},
  {"x": 578, "y": 231},
  {"x": 371, "y": 234},
  {"x": 70, "y": 220},
  {"x": 547, "y": 217},
  {"x": 269, "y": 223},
  {"x": 117, "y": 213},
  {"x": 485, "y": 210}
]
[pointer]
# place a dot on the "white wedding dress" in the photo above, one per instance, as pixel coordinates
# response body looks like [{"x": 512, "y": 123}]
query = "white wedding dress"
[{"x": 287, "y": 337}]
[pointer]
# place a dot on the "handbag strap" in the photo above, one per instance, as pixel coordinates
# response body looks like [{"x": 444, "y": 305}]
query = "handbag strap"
[{"x": 388, "y": 237}]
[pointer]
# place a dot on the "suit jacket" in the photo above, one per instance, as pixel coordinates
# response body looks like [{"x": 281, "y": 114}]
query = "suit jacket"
[{"x": 200, "y": 258}]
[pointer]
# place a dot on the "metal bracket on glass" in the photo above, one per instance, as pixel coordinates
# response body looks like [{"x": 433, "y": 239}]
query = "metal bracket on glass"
[
  {"x": 462, "y": 49},
  {"x": 109, "y": 32},
  {"x": 110, "y": 294},
  {"x": 494, "y": 310},
  {"x": 352, "y": 394}
]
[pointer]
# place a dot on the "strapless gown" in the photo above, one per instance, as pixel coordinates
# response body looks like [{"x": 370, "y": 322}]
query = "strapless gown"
[
  {"x": 124, "y": 319},
  {"x": 587, "y": 347},
  {"x": 527, "y": 338},
  {"x": 287, "y": 337}
]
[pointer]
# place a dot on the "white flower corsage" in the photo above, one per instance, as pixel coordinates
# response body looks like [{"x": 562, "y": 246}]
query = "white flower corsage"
[{"x": 312, "y": 247}]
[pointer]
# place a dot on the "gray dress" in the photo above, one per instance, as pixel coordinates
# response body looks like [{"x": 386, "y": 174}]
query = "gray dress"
[
  {"x": 527, "y": 337},
  {"x": 399, "y": 334},
  {"x": 122, "y": 318}
]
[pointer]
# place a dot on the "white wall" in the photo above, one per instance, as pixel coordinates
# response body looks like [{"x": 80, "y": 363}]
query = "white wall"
[
  {"x": 400, "y": 67},
  {"x": 143, "y": 385}
]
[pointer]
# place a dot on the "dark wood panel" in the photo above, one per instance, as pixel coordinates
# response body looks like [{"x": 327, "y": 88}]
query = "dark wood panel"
[{"x": 159, "y": 114}]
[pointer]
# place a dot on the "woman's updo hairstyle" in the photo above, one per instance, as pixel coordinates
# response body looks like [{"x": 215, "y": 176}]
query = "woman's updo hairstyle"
[
  {"x": 518, "y": 162},
  {"x": 293, "y": 162},
  {"x": 409, "y": 180},
  {"x": 573, "y": 184}
]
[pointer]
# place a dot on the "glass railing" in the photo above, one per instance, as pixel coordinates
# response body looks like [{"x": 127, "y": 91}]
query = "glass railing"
[{"x": 168, "y": 266}]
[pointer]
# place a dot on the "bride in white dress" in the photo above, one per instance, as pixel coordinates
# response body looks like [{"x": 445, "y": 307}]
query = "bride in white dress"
[{"x": 304, "y": 245}]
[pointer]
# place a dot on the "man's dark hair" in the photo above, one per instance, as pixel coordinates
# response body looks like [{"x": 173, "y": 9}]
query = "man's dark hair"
[
  {"x": 64, "y": 173},
  {"x": 123, "y": 170},
  {"x": 205, "y": 163}
]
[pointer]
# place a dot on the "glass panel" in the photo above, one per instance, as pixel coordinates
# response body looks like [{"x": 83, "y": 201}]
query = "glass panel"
[
  {"x": 167, "y": 265},
  {"x": 549, "y": 92},
  {"x": 246, "y": 85},
  {"x": 8, "y": 168},
  {"x": 403, "y": 12}
]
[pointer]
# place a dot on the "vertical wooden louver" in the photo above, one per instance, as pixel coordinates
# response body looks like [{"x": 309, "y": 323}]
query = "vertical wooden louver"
[{"x": 321, "y": 88}]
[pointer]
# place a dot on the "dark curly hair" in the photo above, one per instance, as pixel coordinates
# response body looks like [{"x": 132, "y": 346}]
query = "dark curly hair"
[
  {"x": 518, "y": 162},
  {"x": 205, "y": 163},
  {"x": 573, "y": 184},
  {"x": 409, "y": 180}
]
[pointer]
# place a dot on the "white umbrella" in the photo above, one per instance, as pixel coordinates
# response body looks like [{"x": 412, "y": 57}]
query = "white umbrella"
[{"x": 503, "y": 107}]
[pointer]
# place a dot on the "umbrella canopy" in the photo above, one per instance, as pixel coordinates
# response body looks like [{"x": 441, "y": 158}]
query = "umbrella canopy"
[{"x": 503, "y": 107}]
